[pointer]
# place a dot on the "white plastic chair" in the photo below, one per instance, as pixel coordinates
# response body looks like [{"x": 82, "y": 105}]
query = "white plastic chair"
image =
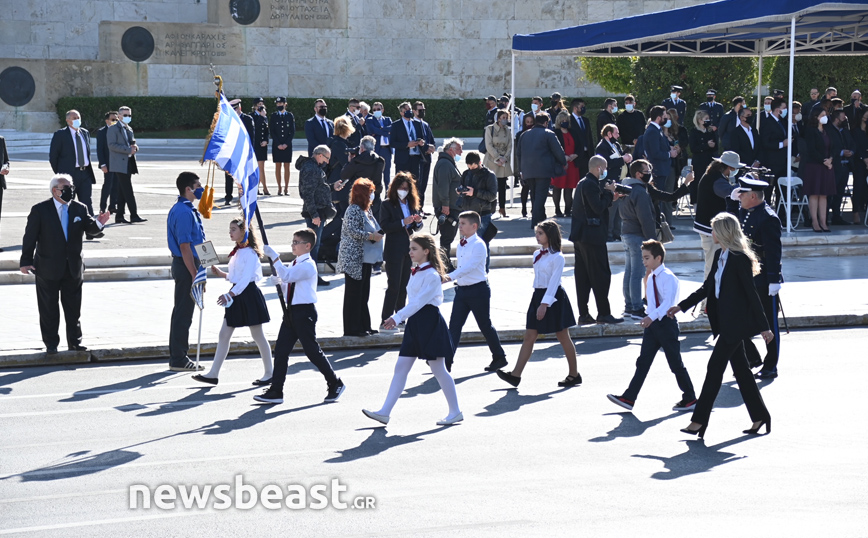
[{"x": 800, "y": 202}]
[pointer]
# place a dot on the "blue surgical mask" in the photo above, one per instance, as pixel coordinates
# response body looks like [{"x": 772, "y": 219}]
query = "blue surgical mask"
[
  {"x": 534, "y": 107},
  {"x": 767, "y": 108},
  {"x": 378, "y": 114},
  {"x": 784, "y": 113},
  {"x": 127, "y": 119},
  {"x": 76, "y": 123},
  {"x": 628, "y": 107},
  {"x": 668, "y": 124},
  {"x": 198, "y": 192},
  {"x": 457, "y": 158},
  {"x": 604, "y": 174},
  {"x": 673, "y": 96},
  {"x": 372, "y": 197},
  {"x": 615, "y": 110}
]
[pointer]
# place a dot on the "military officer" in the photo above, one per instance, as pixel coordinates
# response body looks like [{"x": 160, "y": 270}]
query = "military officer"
[
  {"x": 714, "y": 109},
  {"x": 675, "y": 101},
  {"x": 260, "y": 136},
  {"x": 282, "y": 128},
  {"x": 763, "y": 228}
]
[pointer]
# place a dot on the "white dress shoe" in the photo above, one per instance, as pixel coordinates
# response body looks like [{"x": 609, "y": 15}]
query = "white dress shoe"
[
  {"x": 448, "y": 421},
  {"x": 383, "y": 419}
]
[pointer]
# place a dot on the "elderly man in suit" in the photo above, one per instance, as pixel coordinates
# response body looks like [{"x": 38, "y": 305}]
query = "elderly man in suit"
[
  {"x": 108, "y": 197},
  {"x": 380, "y": 127},
  {"x": 542, "y": 158},
  {"x": 69, "y": 154},
  {"x": 54, "y": 230},
  {"x": 318, "y": 129},
  {"x": 122, "y": 163}
]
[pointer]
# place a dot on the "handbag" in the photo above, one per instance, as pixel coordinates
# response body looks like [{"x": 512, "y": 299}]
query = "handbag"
[
  {"x": 664, "y": 232},
  {"x": 325, "y": 213}
]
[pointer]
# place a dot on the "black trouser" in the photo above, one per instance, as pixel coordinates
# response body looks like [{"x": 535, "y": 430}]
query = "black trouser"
[
  {"x": 397, "y": 277},
  {"x": 770, "y": 309},
  {"x": 230, "y": 184},
  {"x": 477, "y": 299},
  {"x": 422, "y": 184},
  {"x": 568, "y": 200},
  {"x": 538, "y": 195},
  {"x": 860, "y": 186},
  {"x": 47, "y": 292},
  {"x": 126, "y": 197},
  {"x": 299, "y": 324},
  {"x": 357, "y": 317},
  {"x": 615, "y": 220},
  {"x": 83, "y": 184},
  {"x": 842, "y": 175},
  {"x": 592, "y": 272},
  {"x": 108, "y": 197},
  {"x": 526, "y": 188},
  {"x": 182, "y": 313},
  {"x": 448, "y": 231},
  {"x": 501, "y": 192},
  {"x": 727, "y": 351},
  {"x": 661, "y": 333}
]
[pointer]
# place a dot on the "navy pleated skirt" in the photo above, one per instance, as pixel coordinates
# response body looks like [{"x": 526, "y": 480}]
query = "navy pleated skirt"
[
  {"x": 248, "y": 308},
  {"x": 559, "y": 316},
  {"x": 427, "y": 336}
]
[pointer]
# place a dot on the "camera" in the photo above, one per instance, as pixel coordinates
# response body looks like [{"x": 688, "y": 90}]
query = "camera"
[
  {"x": 353, "y": 151},
  {"x": 759, "y": 172},
  {"x": 443, "y": 219},
  {"x": 462, "y": 190},
  {"x": 621, "y": 189}
]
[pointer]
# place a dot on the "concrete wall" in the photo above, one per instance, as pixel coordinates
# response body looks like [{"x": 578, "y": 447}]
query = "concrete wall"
[{"x": 366, "y": 48}]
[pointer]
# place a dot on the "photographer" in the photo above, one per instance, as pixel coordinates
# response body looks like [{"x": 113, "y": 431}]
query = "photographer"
[
  {"x": 478, "y": 190},
  {"x": 588, "y": 233},
  {"x": 447, "y": 179}
]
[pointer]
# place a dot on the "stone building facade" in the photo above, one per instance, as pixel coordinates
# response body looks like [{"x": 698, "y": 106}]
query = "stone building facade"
[{"x": 332, "y": 48}]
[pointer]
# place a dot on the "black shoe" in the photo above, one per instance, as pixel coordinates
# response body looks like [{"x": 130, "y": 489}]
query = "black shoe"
[
  {"x": 321, "y": 282},
  {"x": 638, "y": 314},
  {"x": 335, "y": 392},
  {"x": 609, "y": 319},
  {"x": 372, "y": 332},
  {"x": 261, "y": 383},
  {"x": 755, "y": 431},
  {"x": 700, "y": 432},
  {"x": 766, "y": 375},
  {"x": 496, "y": 364},
  {"x": 77, "y": 347},
  {"x": 586, "y": 320},
  {"x": 202, "y": 379},
  {"x": 271, "y": 396},
  {"x": 509, "y": 378},
  {"x": 112, "y": 209},
  {"x": 119, "y": 219},
  {"x": 361, "y": 334},
  {"x": 570, "y": 381},
  {"x": 51, "y": 350},
  {"x": 621, "y": 401},
  {"x": 136, "y": 219},
  {"x": 92, "y": 237},
  {"x": 838, "y": 221},
  {"x": 685, "y": 405}
]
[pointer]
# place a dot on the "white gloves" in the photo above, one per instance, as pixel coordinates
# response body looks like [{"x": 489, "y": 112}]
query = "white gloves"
[
  {"x": 271, "y": 253},
  {"x": 226, "y": 300},
  {"x": 774, "y": 289},
  {"x": 734, "y": 195}
]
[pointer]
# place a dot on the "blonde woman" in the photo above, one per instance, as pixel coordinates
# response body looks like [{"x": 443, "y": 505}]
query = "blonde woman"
[
  {"x": 736, "y": 314},
  {"x": 497, "y": 138}
]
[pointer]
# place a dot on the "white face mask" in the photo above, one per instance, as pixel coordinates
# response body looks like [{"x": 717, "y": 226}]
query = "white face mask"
[
  {"x": 534, "y": 107},
  {"x": 615, "y": 110},
  {"x": 798, "y": 117},
  {"x": 673, "y": 96},
  {"x": 767, "y": 108},
  {"x": 76, "y": 123},
  {"x": 628, "y": 107},
  {"x": 824, "y": 120},
  {"x": 127, "y": 119},
  {"x": 402, "y": 194},
  {"x": 372, "y": 197}
]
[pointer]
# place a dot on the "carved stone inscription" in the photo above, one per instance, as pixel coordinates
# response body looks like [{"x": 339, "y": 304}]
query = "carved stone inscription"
[
  {"x": 178, "y": 43},
  {"x": 283, "y": 13},
  {"x": 211, "y": 45}
]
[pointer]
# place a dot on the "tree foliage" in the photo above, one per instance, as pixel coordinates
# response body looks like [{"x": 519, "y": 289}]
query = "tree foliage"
[
  {"x": 614, "y": 75},
  {"x": 844, "y": 73}
]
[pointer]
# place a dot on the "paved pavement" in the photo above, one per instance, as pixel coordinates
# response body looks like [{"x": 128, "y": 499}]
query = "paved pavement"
[{"x": 536, "y": 461}]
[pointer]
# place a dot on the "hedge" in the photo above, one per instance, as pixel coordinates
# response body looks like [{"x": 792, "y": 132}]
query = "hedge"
[{"x": 181, "y": 113}]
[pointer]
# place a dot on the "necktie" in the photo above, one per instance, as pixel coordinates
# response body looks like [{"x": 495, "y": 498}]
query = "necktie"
[
  {"x": 463, "y": 242},
  {"x": 64, "y": 220},
  {"x": 291, "y": 287},
  {"x": 540, "y": 255},
  {"x": 656, "y": 292},
  {"x": 417, "y": 269},
  {"x": 324, "y": 128},
  {"x": 79, "y": 148}
]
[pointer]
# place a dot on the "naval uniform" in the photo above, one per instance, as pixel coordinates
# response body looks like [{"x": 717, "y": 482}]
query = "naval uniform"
[
  {"x": 763, "y": 228},
  {"x": 282, "y": 128},
  {"x": 260, "y": 135}
]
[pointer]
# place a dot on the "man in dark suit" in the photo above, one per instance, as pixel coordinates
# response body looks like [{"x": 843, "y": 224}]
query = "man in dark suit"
[
  {"x": 606, "y": 115},
  {"x": 108, "y": 196},
  {"x": 319, "y": 128},
  {"x": 490, "y": 110},
  {"x": 656, "y": 147},
  {"x": 714, "y": 109},
  {"x": 745, "y": 139},
  {"x": 122, "y": 163},
  {"x": 675, "y": 101},
  {"x": 588, "y": 232},
  {"x": 842, "y": 154},
  {"x": 380, "y": 127},
  {"x": 408, "y": 141},
  {"x": 729, "y": 122},
  {"x": 855, "y": 110},
  {"x": 774, "y": 144},
  {"x": 54, "y": 230},
  {"x": 358, "y": 122},
  {"x": 4, "y": 170},
  {"x": 542, "y": 157},
  {"x": 815, "y": 98},
  {"x": 69, "y": 154},
  {"x": 428, "y": 149},
  {"x": 580, "y": 128}
]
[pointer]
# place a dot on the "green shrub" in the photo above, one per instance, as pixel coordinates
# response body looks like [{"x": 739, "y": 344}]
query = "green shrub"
[{"x": 846, "y": 73}]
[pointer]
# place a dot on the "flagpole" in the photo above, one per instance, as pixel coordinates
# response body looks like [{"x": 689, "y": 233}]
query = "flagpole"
[{"x": 273, "y": 270}]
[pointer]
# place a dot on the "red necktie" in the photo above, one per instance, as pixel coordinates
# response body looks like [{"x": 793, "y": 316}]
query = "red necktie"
[
  {"x": 417, "y": 269},
  {"x": 463, "y": 242},
  {"x": 540, "y": 255},
  {"x": 656, "y": 292}
]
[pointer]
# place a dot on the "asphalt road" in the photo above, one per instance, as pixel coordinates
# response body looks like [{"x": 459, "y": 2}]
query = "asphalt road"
[{"x": 536, "y": 461}]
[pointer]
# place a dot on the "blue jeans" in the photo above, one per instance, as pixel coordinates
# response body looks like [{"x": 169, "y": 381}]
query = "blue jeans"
[
  {"x": 476, "y": 299},
  {"x": 314, "y": 252},
  {"x": 485, "y": 220},
  {"x": 634, "y": 271},
  {"x": 662, "y": 333}
]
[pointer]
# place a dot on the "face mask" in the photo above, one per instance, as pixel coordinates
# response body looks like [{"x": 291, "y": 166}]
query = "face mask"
[
  {"x": 628, "y": 107},
  {"x": 408, "y": 114},
  {"x": 673, "y": 96},
  {"x": 853, "y": 101},
  {"x": 502, "y": 122},
  {"x": 733, "y": 173},
  {"x": 127, "y": 119},
  {"x": 76, "y": 123},
  {"x": 323, "y": 111},
  {"x": 798, "y": 117},
  {"x": 198, "y": 192},
  {"x": 372, "y": 197},
  {"x": 668, "y": 124},
  {"x": 280, "y": 107},
  {"x": 615, "y": 110},
  {"x": 784, "y": 113},
  {"x": 710, "y": 99},
  {"x": 378, "y": 114},
  {"x": 604, "y": 174},
  {"x": 534, "y": 107},
  {"x": 767, "y": 108},
  {"x": 402, "y": 194},
  {"x": 646, "y": 178},
  {"x": 582, "y": 110},
  {"x": 824, "y": 120},
  {"x": 457, "y": 158},
  {"x": 421, "y": 114},
  {"x": 747, "y": 118},
  {"x": 565, "y": 125},
  {"x": 67, "y": 193}
]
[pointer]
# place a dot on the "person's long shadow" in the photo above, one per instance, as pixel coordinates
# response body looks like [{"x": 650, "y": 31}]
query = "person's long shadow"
[
  {"x": 430, "y": 385},
  {"x": 352, "y": 361},
  {"x": 698, "y": 459},
  {"x": 196, "y": 398},
  {"x": 83, "y": 465},
  {"x": 513, "y": 401},
  {"x": 378, "y": 442},
  {"x": 630, "y": 426},
  {"x": 146, "y": 381},
  {"x": 12, "y": 378},
  {"x": 253, "y": 417}
]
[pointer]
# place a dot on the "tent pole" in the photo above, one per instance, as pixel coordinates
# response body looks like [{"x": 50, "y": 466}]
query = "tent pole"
[
  {"x": 789, "y": 202},
  {"x": 759, "y": 84},
  {"x": 511, "y": 135}
]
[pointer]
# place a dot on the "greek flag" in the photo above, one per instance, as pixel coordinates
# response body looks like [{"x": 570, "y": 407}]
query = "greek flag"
[
  {"x": 230, "y": 147},
  {"x": 198, "y": 289}
]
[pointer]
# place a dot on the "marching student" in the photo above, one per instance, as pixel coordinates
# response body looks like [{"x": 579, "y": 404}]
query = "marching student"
[
  {"x": 426, "y": 336},
  {"x": 472, "y": 293},
  {"x": 662, "y": 291},
  {"x": 299, "y": 321},
  {"x": 550, "y": 310},
  {"x": 245, "y": 305}
]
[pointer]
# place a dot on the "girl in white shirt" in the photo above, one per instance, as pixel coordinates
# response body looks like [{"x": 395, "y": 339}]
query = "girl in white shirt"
[
  {"x": 550, "y": 310},
  {"x": 427, "y": 335},
  {"x": 246, "y": 305}
]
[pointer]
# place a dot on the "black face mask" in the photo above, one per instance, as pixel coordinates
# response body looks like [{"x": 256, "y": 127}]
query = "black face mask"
[
  {"x": 280, "y": 107},
  {"x": 67, "y": 193},
  {"x": 408, "y": 114},
  {"x": 565, "y": 125},
  {"x": 710, "y": 99},
  {"x": 646, "y": 178},
  {"x": 421, "y": 113},
  {"x": 323, "y": 111}
]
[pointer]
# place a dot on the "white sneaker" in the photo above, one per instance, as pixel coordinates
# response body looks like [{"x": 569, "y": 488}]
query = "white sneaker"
[
  {"x": 383, "y": 419},
  {"x": 449, "y": 421}
]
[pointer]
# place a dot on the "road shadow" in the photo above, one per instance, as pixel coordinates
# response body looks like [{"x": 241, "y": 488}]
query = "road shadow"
[
  {"x": 81, "y": 466},
  {"x": 630, "y": 426},
  {"x": 513, "y": 401},
  {"x": 15, "y": 377},
  {"x": 430, "y": 385},
  {"x": 378, "y": 442},
  {"x": 146, "y": 381},
  {"x": 197, "y": 397},
  {"x": 256, "y": 415},
  {"x": 698, "y": 458}
]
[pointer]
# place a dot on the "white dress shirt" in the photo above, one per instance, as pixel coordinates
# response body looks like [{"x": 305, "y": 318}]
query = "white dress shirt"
[
  {"x": 302, "y": 272},
  {"x": 425, "y": 287},
  {"x": 412, "y": 135},
  {"x": 749, "y": 135},
  {"x": 244, "y": 268},
  {"x": 667, "y": 286},
  {"x": 721, "y": 262},
  {"x": 471, "y": 262},
  {"x": 547, "y": 273},
  {"x": 78, "y": 138}
]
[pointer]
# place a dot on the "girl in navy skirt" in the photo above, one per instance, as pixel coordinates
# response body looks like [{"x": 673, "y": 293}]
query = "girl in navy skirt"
[
  {"x": 247, "y": 306},
  {"x": 550, "y": 310},
  {"x": 426, "y": 336}
]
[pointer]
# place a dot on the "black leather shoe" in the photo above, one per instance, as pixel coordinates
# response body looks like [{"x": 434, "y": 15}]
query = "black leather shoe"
[
  {"x": 586, "y": 320},
  {"x": 321, "y": 282},
  {"x": 766, "y": 375},
  {"x": 207, "y": 380},
  {"x": 509, "y": 378},
  {"x": 77, "y": 347},
  {"x": 610, "y": 319},
  {"x": 121, "y": 220},
  {"x": 496, "y": 364},
  {"x": 261, "y": 383},
  {"x": 137, "y": 219},
  {"x": 51, "y": 350}
]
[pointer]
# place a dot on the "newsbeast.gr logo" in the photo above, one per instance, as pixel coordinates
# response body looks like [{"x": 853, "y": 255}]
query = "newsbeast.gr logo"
[{"x": 245, "y": 496}]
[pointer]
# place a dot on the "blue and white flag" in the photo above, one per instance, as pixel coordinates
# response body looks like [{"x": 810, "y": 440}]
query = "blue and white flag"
[
  {"x": 198, "y": 289},
  {"x": 230, "y": 147}
]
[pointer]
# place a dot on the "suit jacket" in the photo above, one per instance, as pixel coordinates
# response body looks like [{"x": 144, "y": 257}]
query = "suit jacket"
[
  {"x": 540, "y": 154},
  {"x": 813, "y": 150},
  {"x": 740, "y": 143},
  {"x": 773, "y": 156},
  {"x": 738, "y": 313},
  {"x": 102, "y": 151},
  {"x": 715, "y": 111},
  {"x": 61, "y": 154},
  {"x": 584, "y": 140},
  {"x": 854, "y": 115},
  {"x": 615, "y": 162},
  {"x": 118, "y": 138},
  {"x": 315, "y": 134},
  {"x": 4, "y": 159},
  {"x": 44, "y": 234},
  {"x": 656, "y": 147},
  {"x": 400, "y": 138},
  {"x": 354, "y": 139},
  {"x": 592, "y": 201},
  {"x": 728, "y": 123},
  {"x": 374, "y": 129},
  {"x": 680, "y": 106},
  {"x": 397, "y": 235},
  {"x": 603, "y": 118},
  {"x": 840, "y": 140},
  {"x": 429, "y": 141}
]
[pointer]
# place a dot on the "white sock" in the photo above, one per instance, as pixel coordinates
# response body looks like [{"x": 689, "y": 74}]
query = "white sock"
[
  {"x": 222, "y": 350},
  {"x": 399, "y": 381},
  {"x": 264, "y": 350},
  {"x": 447, "y": 384}
]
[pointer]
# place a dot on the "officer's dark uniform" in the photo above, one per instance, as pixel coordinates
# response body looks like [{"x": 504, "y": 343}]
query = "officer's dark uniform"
[
  {"x": 763, "y": 228},
  {"x": 260, "y": 135},
  {"x": 680, "y": 106},
  {"x": 714, "y": 109},
  {"x": 282, "y": 128}
]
